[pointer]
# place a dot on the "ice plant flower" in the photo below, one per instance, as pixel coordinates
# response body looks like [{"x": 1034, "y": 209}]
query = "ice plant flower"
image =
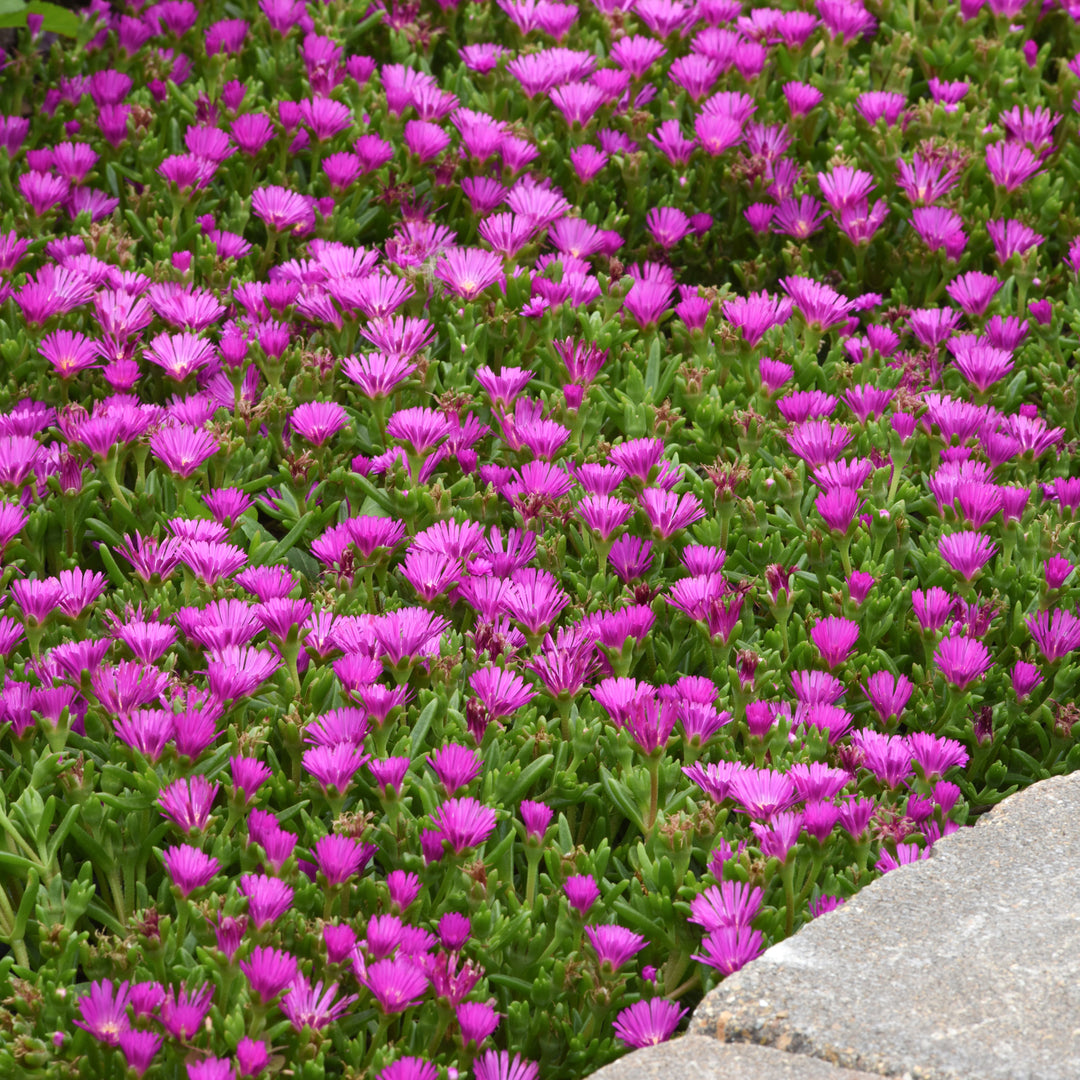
[
  {"x": 966, "y": 552},
  {"x": 614, "y": 945},
  {"x": 730, "y": 948},
  {"x": 648, "y": 1023},
  {"x": 1056, "y": 632},
  {"x": 464, "y": 823},
  {"x": 268, "y": 897},
  {"x": 834, "y": 637},
  {"x": 189, "y": 868},
  {"x": 499, "y": 1065},
  {"x": 962, "y": 660},
  {"x": 468, "y": 272},
  {"x": 309, "y": 1006},
  {"x": 396, "y": 984},
  {"x": 103, "y": 1012}
]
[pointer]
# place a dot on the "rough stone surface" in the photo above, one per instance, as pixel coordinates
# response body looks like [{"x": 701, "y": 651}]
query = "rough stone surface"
[
  {"x": 965, "y": 966},
  {"x": 695, "y": 1058}
]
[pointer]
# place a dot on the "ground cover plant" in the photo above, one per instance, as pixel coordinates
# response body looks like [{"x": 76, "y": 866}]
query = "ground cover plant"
[{"x": 510, "y": 509}]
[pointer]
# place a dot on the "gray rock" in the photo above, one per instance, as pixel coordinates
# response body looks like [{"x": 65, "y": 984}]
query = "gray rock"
[
  {"x": 695, "y": 1058},
  {"x": 963, "y": 967}
]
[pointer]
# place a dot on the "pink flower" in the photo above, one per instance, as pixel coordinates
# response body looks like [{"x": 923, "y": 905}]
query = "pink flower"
[
  {"x": 962, "y": 660},
  {"x": 468, "y": 272},
  {"x": 464, "y": 823},
  {"x": 648, "y": 1023}
]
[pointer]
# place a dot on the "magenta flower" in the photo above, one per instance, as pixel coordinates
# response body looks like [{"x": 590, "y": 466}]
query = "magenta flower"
[
  {"x": 578, "y": 102},
  {"x": 581, "y": 892},
  {"x": 835, "y": 637},
  {"x": 939, "y": 227},
  {"x": 268, "y": 898},
  {"x": 671, "y": 142},
  {"x": 799, "y": 217},
  {"x": 210, "y": 1068},
  {"x": 1025, "y": 677},
  {"x": 821, "y": 306},
  {"x": 43, "y": 191},
  {"x": 183, "y": 449},
  {"x": 423, "y": 429},
  {"x": 838, "y": 506},
  {"x": 973, "y": 291},
  {"x": 377, "y": 374},
  {"x": 877, "y": 105},
  {"x": 187, "y": 803},
  {"x": 650, "y": 721},
  {"x": 396, "y": 984},
  {"x": 636, "y": 54},
  {"x": 187, "y": 172},
  {"x": 614, "y": 945},
  {"x": 318, "y": 421},
  {"x": 603, "y": 514},
  {"x": 282, "y": 209},
  {"x": 818, "y": 442},
  {"x": 252, "y": 1056},
  {"x": 182, "y": 1016},
  {"x": 966, "y": 552},
  {"x": 325, "y": 117},
  {"x": 339, "y": 857},
  {"x": 667, "y": 226},
  {"x": 935, "y": 756},
  {"x": 887, "y": 694},
  {"x": 502, "y": 691},
  {"x": 477, "y": 1020},
  {"x": 139, "y": 1049},
  {"x": 717, "y": 132},
  {"x": 925, "y": 181},
  {"x": 1056, "y": 633},
  {"x": 411, "y": 1068},
  {"x": 389, "y": 775},
  {"x": 188, "y": 868},
  {"x": 982, "y": 364},
  {"x": 499, "y": 1065},
  {"x": 763, "y": 793},
  {"x": 668, "y": 513},
  {"x": 251, "y": 132},
  {"x": 468, "y": 272},
  {"x": 802, "y": 405},
  {"x": 962, "y": 660},
  {"x": 648, "y": 1023},
  {"x": 236, "y": 671},
  {"x": 248, "y": 774},
  {"x": 731, "y": 903},
  {"x": 1057, "y": 569},
  {"x": 1011, "y": 238},
  {"x": 730, "y": 948},
  {"x": 455, "y": 766},
  {"x": 932, "y": 608},
  {"x": 103, "y": 1011},
  {"x": 636, "y": 457},
  {"x": 269, "y": 971},
  {"x": 906, "y": 854},
  {"x": 464, "y": 823},
  {"x": 69, "y": 352},
  {"x": 535, "y": 599},
  {"x": 334, "y": 766},
  {"x": 308, "y": 1006},
  {"x": 1011, "y": 164},
  {"x": 647, "y": 300}
]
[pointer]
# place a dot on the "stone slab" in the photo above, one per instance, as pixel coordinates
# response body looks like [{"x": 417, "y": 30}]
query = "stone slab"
[
  {"x": 696, "y": 1058},
  {"x": 965, "y": 966}
]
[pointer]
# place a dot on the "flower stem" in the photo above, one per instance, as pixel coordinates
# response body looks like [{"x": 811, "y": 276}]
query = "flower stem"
[{"x": 653, "y": 765}]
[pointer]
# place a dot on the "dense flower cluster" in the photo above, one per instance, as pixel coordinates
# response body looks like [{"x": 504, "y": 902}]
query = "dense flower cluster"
[{"x": 510, "y": 509}]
